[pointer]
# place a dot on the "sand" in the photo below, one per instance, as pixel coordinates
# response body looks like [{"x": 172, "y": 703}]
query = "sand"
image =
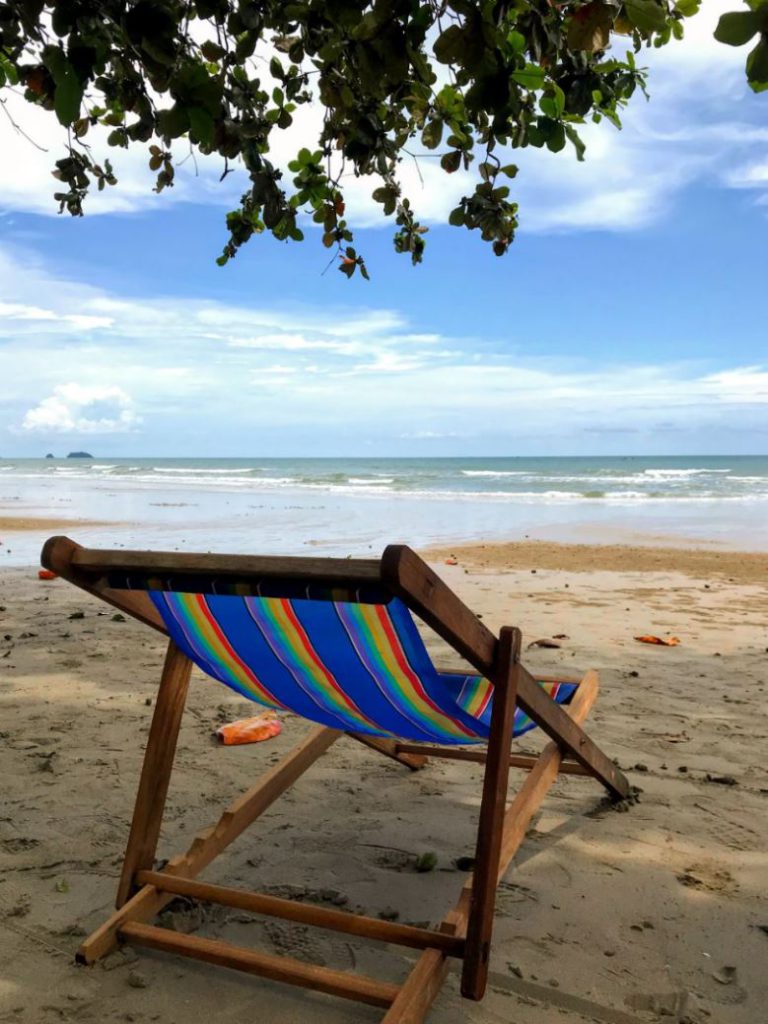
[
  {"x": 735, "y": 566},
  {"x": 658, "y": 914},
  {"x": 24, "y": 524}
]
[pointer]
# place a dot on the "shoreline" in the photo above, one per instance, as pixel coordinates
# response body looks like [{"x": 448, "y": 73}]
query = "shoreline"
[{"x": 357, "y": 506}]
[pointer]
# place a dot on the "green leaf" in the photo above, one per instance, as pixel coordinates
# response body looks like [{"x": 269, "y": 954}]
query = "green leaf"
[
  {"x": 212, "y": 51},
  {"x": 449, "y": 46},
  {"x": 69, "y": 90},
  {"x": 531, "y": 77},
  {"x": 556, "y": 137},
  {"x": 552, "y": 103},
  {"x": 8, "y": 72},
  {"x": 433, "y": 133},
  {"x": 426, "y": 862},
  {"x": 737, "y": 28},
  {"x": 173, "y": 122},
  {"x": 201, "y": 125},
  {"x": 516, "y": 41},
  {"x": 118, "y": 138},
  {"x": 757, "y": 67},
  {"x": 647, "y": 15},
  {"x": 688, "y": 7},
  {"x": 575, "y": 139}
]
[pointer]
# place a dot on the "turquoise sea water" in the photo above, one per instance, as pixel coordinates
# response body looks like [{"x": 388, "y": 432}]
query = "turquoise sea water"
[{"x": 355, "y": 505}]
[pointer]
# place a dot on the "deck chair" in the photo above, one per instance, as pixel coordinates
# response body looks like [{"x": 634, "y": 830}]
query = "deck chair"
[{"x": 334, "y": 641}]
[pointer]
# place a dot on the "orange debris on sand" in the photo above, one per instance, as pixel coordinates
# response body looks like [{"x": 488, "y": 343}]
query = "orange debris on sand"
[
  {"x": 46, "y": 574},
  {"x": 451, "y": 561},
  {"x": 671, "y": 641},
  {"x": 249, "y": 730}
]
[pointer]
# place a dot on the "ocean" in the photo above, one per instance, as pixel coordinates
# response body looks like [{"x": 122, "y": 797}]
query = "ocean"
[{"x": 355, "y": 506}]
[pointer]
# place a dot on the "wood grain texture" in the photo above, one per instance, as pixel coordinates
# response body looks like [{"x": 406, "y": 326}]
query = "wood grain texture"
[
  {"x": 330, "y": 570},
  {"x": 156, "y": 770},
  {"x": 59, "y": 555},
  {"x": 524, "y": 761},
  {"x": 412, "y": 580},
  {"x": 474, "y": 973},
  {"x": 306, "y": 913},
  {"x": 391, "y": 748},
  {"x": 277, "y": 968}
]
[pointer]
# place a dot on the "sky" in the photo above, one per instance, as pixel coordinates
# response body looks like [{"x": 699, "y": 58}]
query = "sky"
[{"x": 628, "y": 318}]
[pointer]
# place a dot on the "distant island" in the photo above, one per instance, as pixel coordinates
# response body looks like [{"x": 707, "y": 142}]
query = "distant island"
[
  {"x": 49, "y": 456},
  {"x": 79, "y": 455}
]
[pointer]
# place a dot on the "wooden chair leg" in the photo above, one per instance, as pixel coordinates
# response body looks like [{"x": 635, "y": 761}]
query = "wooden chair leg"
[
  {"x": 491, "y": 824},
  {"x": 156, "y": 771}
]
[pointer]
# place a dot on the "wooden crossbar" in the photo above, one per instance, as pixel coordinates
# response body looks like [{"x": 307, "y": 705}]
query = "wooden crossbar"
[
  {"x": 305, "y": 913},
  {"x": 277, "y": 968},
  {"x": 525, "y": 761},
  {"x": 391, "y": 748},
  {"x": 338, "y": 570}
]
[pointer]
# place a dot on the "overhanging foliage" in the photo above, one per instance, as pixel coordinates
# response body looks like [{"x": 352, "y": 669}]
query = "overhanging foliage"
[{"x": 466, "y": 80}]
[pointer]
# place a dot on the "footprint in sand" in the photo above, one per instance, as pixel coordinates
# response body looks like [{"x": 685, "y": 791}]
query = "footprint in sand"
[
  {"x": 18, "y": 844},
  {"x": 709, "y": 878}
]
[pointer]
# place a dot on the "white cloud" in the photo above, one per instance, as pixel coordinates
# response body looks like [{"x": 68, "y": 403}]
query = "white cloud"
[
  {"x": 391, "y": 362},
  {"x": 327, "y": 377},
  {"x": 80, "y": 409},
  {"x": 25, "y": 170},
  {"x": 429, "y": 435},
  {"x": 750, "y": 175},
  {"x": 18, "y": 311},
  {"x": 746, "y": 384},
  {"x": 288, "y": 342}
]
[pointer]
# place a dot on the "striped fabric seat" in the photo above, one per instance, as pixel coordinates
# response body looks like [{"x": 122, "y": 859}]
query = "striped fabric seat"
[{"x": 356, "y": 665}]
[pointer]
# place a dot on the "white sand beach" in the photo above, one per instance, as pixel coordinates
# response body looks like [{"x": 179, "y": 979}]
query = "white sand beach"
[{"x": 657, "y": 914}]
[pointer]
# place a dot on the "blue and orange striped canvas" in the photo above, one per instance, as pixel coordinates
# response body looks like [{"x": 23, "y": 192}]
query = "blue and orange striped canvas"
[{"x": 351, "y": 665}]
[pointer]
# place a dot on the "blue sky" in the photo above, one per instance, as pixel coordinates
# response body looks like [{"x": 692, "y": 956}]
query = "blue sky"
[{"x": 629, "y": 316}]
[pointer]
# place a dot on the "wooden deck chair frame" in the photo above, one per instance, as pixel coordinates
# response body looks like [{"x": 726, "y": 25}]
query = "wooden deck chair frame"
[{"x": 465, "y": 931}]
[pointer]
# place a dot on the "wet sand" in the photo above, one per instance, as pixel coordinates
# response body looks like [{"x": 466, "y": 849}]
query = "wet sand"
[{"x": 658, "y": 914}]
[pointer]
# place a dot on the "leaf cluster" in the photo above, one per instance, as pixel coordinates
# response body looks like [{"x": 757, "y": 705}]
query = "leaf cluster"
[{"x": 460, "y": 81}]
